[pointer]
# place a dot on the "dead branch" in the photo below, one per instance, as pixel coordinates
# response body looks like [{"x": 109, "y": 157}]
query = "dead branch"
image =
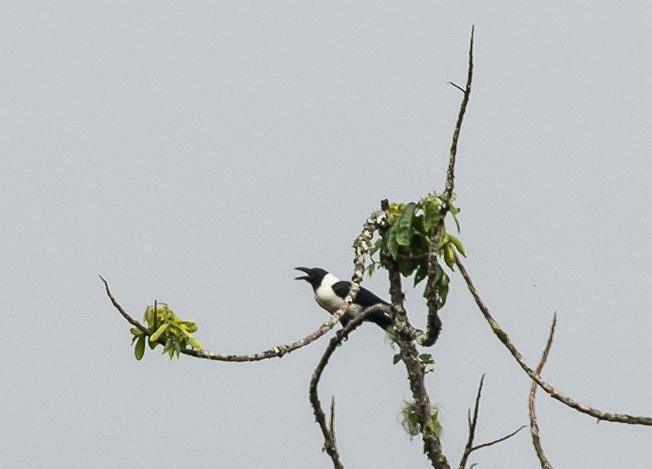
[
  {"x": 433, "y": 324},
  {"x": 472, "y": 426},
  {"x": 534, "y": 426},
  {"x": 552, "y": 391},
  {"x": 330, "y": 445},
  {"x": 473, "y": 423}
]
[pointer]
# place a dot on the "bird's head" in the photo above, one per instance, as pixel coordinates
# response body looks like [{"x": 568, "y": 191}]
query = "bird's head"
[{"x": 313, "y": 276}]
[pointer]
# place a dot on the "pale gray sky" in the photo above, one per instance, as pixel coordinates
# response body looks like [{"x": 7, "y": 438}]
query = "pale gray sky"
[{"x": 189, "y": 151}]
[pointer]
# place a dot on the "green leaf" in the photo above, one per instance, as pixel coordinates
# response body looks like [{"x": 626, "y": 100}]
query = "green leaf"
[
  {"x": 431, "y": 209},
  {"x": 392, "y": 245},
  {"x": 152, "y": 344},
  {"x": 194, "y": 343},
  {"x": 397, "y": 358},
  {"x": 449, "y": 256},
  {"x": 426, "y": 359},
  {"x": 139, "y": 350},
  {"x": 135, "y": 331},
  {"x": 191, "y": 326},
  {"x": 454, "y": 211},
  {"x": 159, "y": 332},
  {"x": 404, "y": 225},
  {"x": 457, "y": 243}
]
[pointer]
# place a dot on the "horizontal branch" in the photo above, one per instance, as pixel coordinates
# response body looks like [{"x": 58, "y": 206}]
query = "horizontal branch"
[
  {"x": 277, "y": 351},
  {"x": 362, "y": 244},
  {"x": 548, "y": 388}
]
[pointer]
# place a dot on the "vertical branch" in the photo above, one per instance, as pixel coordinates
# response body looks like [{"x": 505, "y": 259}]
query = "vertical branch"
[
  {"x": 534, "y": 426},
  {"x": 433, "y": 326},
  {"x": 450, "y": 175},
  {"x": 328, "y": 430},
  {"x": 473, "y": 423},
  {"x": 410, "y": 356}
]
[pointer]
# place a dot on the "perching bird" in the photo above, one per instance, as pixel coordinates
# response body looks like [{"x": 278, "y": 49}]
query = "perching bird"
[{"x": 331, "y": 291}]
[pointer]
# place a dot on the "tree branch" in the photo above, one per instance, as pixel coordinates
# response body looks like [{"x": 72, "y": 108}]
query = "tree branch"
[
  {"x": 410, "y": 356},
  {"x": 329, "y": 433},
  {"x": 564, "y": 399},
  {"x": 362, "y": 245},
  {"x": 450, "y": 175},
  {"x": 433, "y": 324},
  {"x": 499, "y": 440},
  {"x": 472, "y": 426},
  {"x": 473, "y": 422},
  {"x": 534, "y": 426}
]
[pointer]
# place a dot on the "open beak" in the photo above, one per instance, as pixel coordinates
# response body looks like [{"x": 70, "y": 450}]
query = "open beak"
[{"x": 305, "y": 270}]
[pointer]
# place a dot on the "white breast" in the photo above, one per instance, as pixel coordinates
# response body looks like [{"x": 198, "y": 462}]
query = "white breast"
[{"x": 326, "y": 297}]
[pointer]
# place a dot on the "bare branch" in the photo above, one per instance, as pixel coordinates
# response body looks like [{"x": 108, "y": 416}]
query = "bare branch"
[
  {"x": 473, "y": 422},
  {"x": 121, "y": 310},
  {"x": 534, "y": 426},
  {"x": 455, "y": 85},
  {"x": 331, "y": 423},
  {"x": 329, "y": 433},
  {"x": 472, "y": 426},
  {"x": 450, "y": 176},
  {"x": 410, "y": 356},
  {"x": 499, "y": 440},
  {"x": 553, "y": 392},
  {"x": 433, "y": 324}
]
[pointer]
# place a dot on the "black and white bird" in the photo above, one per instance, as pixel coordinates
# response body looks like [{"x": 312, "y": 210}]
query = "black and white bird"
[{"x": 331, "y": 291}]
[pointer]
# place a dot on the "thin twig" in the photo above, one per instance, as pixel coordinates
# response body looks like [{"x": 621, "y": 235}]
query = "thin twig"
[
  {"x": 330, "y": 445},
  {"x": 433, "y": 324},
  {"x": 499, "y": 440},
  {"x": 552, "y": 391},
  {"x": 450, "y": 175},
  {"x": 121, "y": 310},
  {"x": 472, "y": 426},
  {"x": 534, "y": 426},
  {"x": 473, "y": 423}
]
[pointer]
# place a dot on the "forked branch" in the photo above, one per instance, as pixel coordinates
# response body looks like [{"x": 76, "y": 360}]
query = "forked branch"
[{"x": 473, "y": 423}]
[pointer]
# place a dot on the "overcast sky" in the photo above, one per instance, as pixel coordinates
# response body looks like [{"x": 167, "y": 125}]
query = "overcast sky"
[{"x": 195, "y": 152}]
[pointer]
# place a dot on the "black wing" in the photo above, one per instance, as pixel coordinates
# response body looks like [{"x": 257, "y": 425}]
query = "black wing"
[{"x": 365, "y": 298}]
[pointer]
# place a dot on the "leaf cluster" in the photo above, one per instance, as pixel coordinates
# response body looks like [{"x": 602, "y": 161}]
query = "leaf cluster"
[
  {"x": 407, "y": 240},
  {"x": 166, "y": 329}
]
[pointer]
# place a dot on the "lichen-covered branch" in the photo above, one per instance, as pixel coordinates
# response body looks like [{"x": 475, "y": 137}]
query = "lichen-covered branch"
[
  {"x": 409, "y": 354},
  {"x": 534, "y": 426},
  {"x": 548, "y": 388}
]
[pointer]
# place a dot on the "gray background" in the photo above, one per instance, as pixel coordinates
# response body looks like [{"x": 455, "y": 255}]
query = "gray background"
[{"x": 192, "y": 151}]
